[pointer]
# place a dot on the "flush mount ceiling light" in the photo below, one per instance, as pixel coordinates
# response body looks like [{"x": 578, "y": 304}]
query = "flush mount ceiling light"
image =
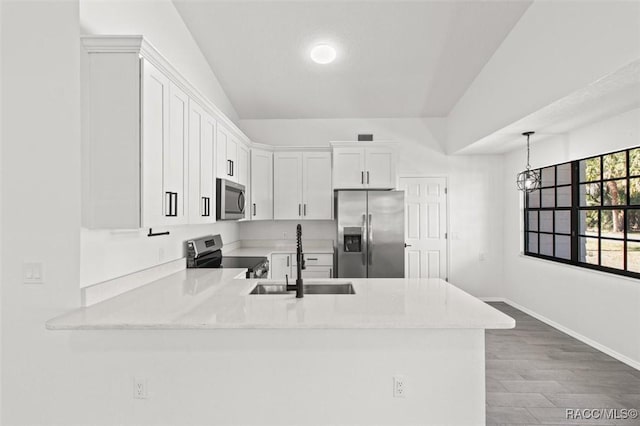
[
  {"x": 323, "y": 54},
  {"x": 528, "y": 180}
]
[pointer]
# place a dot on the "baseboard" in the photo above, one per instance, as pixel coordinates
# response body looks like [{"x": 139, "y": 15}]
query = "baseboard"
[
  {"x": 493, "y": 299},
  {"x": 602, "y": 348}
]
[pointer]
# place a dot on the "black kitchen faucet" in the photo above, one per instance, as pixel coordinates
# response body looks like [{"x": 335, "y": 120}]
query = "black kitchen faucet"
[{"x": 298, "y": 287}]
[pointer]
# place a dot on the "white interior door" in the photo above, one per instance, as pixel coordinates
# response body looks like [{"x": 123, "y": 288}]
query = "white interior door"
[{"x": 425, "y": 227}]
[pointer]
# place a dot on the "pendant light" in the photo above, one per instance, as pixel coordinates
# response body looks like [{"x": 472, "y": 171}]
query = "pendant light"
[{"x": 528, "y": 180}]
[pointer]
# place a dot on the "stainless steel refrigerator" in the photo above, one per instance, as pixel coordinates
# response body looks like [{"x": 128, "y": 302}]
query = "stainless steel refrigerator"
[{"x": 370, "y": 240}]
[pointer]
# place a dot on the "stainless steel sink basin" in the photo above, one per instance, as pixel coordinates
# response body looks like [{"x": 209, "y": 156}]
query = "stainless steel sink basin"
[{"x": 278, "y": 288}]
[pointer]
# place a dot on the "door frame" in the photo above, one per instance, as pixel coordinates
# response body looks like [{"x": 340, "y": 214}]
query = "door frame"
[{"x": 446, "y": 226}]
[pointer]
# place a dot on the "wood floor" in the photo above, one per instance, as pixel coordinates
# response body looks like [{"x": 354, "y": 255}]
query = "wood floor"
[{"x": 535, "y": 373}]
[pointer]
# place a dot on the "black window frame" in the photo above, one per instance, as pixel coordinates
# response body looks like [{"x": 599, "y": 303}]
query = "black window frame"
[{"x": 575, "y": 208}]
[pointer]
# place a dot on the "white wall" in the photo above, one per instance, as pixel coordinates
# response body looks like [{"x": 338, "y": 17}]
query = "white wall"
[
  {"x": 1, "y": 174},
  {"x": 286, "y": 230},
  {"x": 162, "y": 25},
  {"x": 41, "y": 199},
  {"x": 556, "y": 48},
  {"x": 602, "y": 307},
  {"x": 110, "y": 254},
  {"x": 475, "y": 196}
]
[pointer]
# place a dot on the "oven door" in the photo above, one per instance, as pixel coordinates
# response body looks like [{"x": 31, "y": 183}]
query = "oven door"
[{"x": 230, "y": 197}]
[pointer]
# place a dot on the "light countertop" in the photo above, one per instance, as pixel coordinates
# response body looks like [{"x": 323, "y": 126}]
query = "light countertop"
[{"x": 214, "y": 299}]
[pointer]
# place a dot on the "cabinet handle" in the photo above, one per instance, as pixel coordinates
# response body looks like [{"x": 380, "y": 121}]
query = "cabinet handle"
[
  {"x": 299, "y": 209},
  {"x": 312, "y": 258},
  {"x": 362, "y": 177},
  {"x": 172, "y": 204},
  {"x": 367, "y": 176},
  {"x": 207, "y": 206},
  {"x": 304, "y": 209},
  {"x": 232, "y": 167},
  {"x": 167, "y": 203},
  {"x": 287, "y": 261},
  {"x": 175, "y": 205},
  {"x": 204, "y": 206},
  {"x": 254, "y": 209}
]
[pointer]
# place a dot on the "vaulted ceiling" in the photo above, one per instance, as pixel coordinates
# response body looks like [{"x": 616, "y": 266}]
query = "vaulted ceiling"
[{"x": 395, "y": 58}]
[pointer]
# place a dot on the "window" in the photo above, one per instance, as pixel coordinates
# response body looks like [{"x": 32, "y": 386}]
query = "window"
[{"x": 587, "y": 213}]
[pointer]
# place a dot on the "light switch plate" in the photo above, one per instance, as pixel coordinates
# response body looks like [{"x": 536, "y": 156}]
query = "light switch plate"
[{"x": 32, "y": 273}]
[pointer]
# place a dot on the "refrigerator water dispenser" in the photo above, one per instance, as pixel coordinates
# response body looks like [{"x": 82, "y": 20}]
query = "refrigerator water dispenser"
[{"x": 353, "y": 240}]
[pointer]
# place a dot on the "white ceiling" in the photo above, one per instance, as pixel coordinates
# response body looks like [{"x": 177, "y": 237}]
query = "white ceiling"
[
  {"x": 610, "y": 95},
  {"x": 395, "y": 58}
]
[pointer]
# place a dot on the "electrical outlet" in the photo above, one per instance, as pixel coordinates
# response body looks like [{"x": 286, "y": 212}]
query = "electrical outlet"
[
  {"x": 482, "y": 257},
  {"x": 140, "y": 388},
  {"x": 399, "y": 387},
  {"x": 284, "y": 235}
]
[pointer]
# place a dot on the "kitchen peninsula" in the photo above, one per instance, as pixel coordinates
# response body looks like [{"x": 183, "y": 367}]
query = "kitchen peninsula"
[{"x": 324, "y": 359}]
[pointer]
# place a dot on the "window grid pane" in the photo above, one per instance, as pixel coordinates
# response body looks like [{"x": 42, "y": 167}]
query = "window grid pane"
[{"x": 601, "y": 228}]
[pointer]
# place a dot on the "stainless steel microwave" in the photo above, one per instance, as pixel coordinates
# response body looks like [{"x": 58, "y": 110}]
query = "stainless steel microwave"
[{"x": 230, "y": 197}]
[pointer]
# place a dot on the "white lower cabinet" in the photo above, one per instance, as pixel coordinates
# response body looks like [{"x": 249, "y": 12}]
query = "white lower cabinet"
[
  {"x": 317, "y": 265},
  {"x": 280, "y": 266}
]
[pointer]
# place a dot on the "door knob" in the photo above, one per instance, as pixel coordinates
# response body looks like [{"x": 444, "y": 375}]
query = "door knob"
[{"x": 407, "y": 245}]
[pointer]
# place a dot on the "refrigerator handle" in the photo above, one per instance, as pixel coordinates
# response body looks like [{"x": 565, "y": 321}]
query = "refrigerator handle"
[
  {"x": 370, "y": 245},
  {"x": 364, "y": 230}
]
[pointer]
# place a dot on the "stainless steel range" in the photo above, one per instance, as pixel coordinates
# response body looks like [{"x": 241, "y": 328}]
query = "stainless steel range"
[{"x": 206, "y": 252}]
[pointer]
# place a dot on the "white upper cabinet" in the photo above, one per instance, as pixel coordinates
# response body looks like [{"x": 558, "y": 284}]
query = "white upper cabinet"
[
  {"x": 243, "y": 173},
  {"x": 361, "y": 165},
  {"x": 134, "y": 144},
  {"x": 149, "y": 146},
  {"x": 302, "y": 185},
  {"x": 261, "y": 185},
  {"x": 317, "y": 195},
  {"x": 175, "y": 158},
  {"x": 381, "y": 167},
  {"x": 202, "y": 197},
  {"x": 348, "y": 168},
  {"x": 287, "y": 185},
  {"x": 226, "y": 154}
]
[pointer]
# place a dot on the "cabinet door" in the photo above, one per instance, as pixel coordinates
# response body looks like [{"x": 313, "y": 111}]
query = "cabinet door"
[
  {"x": 317, "y": 193},
  {"x": 201, "y": 165},
  {"x": 222, "y": 166},
  {"x": 287, "y": 185},
  {"x": 226, "y": 151},
  {"x": 232, "y": 159},
  {"x": 348, "y": 168},
  {"x": 261, "y": 185},
  {"x": 280, "y": 266},
  {"x": 380, "y": 168},
  {"x": 175, "y": 150},
  {"x": 154, "y": 109},
  {"x": 242, "y": 172},
  {"x": 317, "y": 272}
]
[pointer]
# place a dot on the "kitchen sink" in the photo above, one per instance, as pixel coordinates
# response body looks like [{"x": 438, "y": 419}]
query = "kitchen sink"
[{"x": 319, "y": 288}]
